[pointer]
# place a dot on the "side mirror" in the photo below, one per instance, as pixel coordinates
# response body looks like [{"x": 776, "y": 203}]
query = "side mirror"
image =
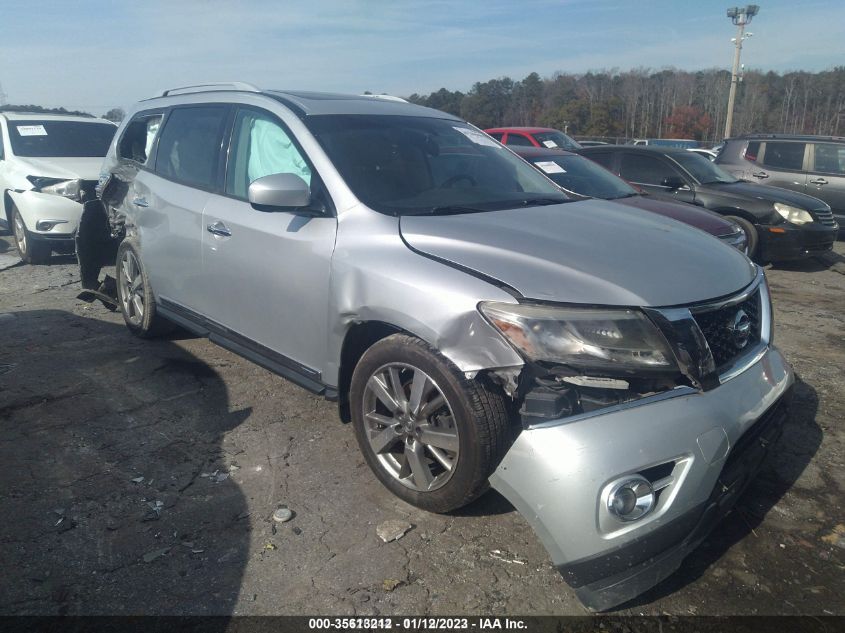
[
  {"x": 673, "y": 182},
  {"x": 279, "y": 191}
]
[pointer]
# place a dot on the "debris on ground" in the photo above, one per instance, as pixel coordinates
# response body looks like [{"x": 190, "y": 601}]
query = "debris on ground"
[
  {"x": 391, "y": 583},
  {"x": 505, "y": 557},
  {"x": 296, "y": 530},
  {"x": 837, "y": 537},
  {"x": 137, "y": 480},
  {"x": 393, "y": 530},
  {"x": 156, "y": 553},
  {"x": 270, "y": 546},
  {"x": 283, "y": 514}
]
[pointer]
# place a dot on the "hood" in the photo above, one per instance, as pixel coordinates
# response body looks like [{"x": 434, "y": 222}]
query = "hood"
[
  {"x": 591, "y": 252},
  {"x": 766, "y": 193},
  {"x": 683, "y": 212},
  {"x": 70, "y": 168}
]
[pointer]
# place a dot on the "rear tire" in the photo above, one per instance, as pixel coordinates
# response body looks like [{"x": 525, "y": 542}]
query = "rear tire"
[
  {"x": 751, "y": 237},
  {"x": 31, "y": 251},
  {"x": 431, "y": 436},
  {"x": 135, "y": 296}
]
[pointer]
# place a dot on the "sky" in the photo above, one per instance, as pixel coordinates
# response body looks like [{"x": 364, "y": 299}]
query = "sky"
[{"x": 95, "y": 55}]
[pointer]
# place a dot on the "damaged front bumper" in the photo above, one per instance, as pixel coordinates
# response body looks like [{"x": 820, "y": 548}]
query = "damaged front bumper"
[{"x": 699, "y": 449}]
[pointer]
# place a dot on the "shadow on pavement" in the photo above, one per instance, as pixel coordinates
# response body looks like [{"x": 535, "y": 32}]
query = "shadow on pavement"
[
  {"x": 106, "y": 446},
  {"x": 800, "y": 441}
]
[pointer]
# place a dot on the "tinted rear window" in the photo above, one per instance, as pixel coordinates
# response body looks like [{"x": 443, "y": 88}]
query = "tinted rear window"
[
  {"x": 60, "y": 138},
  {"x": 190, "y": 145},
  {"x": 784, "y": 155}
]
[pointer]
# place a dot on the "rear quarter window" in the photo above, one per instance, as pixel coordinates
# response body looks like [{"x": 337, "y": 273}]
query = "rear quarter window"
[{"x": 751, "y": 152}]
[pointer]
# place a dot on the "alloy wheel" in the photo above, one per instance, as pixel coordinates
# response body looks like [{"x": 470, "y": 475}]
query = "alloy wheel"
[
  {"x": 132, "y": 288},
  {"x": 20, "y": 232},
  {"x": 410, "y": 426}
]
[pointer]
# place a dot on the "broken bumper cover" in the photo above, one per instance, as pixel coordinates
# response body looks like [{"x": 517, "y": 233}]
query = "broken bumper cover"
[
  {"x": 62, "y": 213},
  {"x": 557, "y": 475}
]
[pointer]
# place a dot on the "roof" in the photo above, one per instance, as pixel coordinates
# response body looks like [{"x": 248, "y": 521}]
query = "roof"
[
  {"x": 530, "y": 130},
  {"x": 306, "y": 103},
  {"x": 538, "y": 152},
  {"x": 789, "y": 137},
  {"x": 317, "y": 103},
  {"x": 44, "y": 116},
  {"x": 640, "y": 149}
]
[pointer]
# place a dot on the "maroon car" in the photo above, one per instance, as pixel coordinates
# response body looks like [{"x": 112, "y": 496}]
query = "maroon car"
[{"x": 583, "y": 177}]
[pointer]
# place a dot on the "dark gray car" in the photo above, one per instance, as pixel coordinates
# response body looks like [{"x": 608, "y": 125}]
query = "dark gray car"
[{"x": 814, "y": 165}]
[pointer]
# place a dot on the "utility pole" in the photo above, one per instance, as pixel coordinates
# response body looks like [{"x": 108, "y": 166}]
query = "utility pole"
[
  {"x": 2, "y": 96},
  {"x": 740, "y": 17}
]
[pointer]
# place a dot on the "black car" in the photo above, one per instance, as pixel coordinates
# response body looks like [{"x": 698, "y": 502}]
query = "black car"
[{"x": 779, "y": 224}]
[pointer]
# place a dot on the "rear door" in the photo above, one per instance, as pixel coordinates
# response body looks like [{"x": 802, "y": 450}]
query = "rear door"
[
  {"x": 826, "y": 176},
  {"x": 168, "y": 204},
  {"x": 266, "y": 274},
  {"x": 784, "y": 164},
  {"x": 649, "y": 173}
]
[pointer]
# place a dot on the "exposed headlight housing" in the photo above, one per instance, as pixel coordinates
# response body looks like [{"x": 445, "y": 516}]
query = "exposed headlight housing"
[
  {"x": 56, "y": 186},
  {"x": 794, "y": 215},
  {"x": 607, "y": 340}
]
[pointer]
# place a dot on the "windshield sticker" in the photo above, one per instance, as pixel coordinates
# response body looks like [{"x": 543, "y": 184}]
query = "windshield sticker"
[
  {"x": 31, "y": 130},
  {"x": 550, "y": 144},
  {"x": 479, "y": 138},
  {"x": 550, "y": 167}
]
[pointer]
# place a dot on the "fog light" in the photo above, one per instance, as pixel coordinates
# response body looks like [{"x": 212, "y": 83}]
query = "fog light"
[
  {"x": 631, "y": 499},
  {"x": 47, "y": 225}
]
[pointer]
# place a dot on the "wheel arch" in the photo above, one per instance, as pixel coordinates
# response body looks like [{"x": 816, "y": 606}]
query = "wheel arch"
[{"x": 358, "y": 339}]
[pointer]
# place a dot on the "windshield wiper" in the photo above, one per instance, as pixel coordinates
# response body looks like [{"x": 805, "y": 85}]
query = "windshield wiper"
[
  {"x": 531, "y": 202},
  {"x": 455, "y": 209}
]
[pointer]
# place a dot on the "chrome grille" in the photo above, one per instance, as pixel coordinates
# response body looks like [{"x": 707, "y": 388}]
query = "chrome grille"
[
  {"x": 719, "y": 327},
  {"x": 824, "y": 216}
]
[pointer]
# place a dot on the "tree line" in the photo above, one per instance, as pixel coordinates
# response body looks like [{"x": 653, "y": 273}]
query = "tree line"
[{"x": 643, "y": 103}]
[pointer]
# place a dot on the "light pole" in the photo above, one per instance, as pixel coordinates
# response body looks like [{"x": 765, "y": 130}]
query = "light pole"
[{"x": 740, "y": 17}]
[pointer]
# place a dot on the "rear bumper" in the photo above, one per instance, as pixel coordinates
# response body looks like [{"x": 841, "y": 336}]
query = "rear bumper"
[
  {"x": 557, "y": 474},
  {"x": 796, "y": 242}
]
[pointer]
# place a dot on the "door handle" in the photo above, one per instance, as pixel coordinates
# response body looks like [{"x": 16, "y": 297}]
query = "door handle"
[
  {"x": 218, "y": 228},
  {"x": 818, "y": 181},
  {"x": 760, "y": 174},
  {"x": 140, "y": 201}
]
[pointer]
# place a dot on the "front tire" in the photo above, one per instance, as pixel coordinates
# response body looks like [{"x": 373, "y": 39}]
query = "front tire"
[
  {"x": 135, "y": 296},
  {"x": 431, "y": 436},
  {"x": 752, "y": 240},
  {"x": 30, "y": 251}
]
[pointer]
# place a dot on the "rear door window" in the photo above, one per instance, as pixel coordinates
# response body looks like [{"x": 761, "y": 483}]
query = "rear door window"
[
  {"x": 605, "y": 159},
  {"x": 830, "y": 158},
  {"x": 645, "y": 170},
  {"x": 189, "y": 147},
  {"x": 783, "y": 155},
  {"x": 137, "y": 141}
]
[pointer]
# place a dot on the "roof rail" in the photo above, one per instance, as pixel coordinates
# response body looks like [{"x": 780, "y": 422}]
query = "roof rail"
[
  {"x": 239, "y": 86},
  {"x": 387, "y": 98}
]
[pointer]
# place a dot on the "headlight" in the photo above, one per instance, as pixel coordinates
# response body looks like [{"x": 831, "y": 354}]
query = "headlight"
[
  {"x": 586, "y": 338},
  {"x": 795, "y": 215},
  {"x": 64, "y": 188}
]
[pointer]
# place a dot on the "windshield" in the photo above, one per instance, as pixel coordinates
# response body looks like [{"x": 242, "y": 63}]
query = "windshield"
[
  {"x": 402, "y": 165},
  {"x": 556, "y": 139},
  {"x": 703, "y": 169},
  {"x": 583, "y": 176},
  {"x": 60, "y": 139}
]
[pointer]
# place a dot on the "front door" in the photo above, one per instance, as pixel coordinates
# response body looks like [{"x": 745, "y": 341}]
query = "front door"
[
  {"x": 266, "y": 274},
  {"x": 650, "y": 173}
]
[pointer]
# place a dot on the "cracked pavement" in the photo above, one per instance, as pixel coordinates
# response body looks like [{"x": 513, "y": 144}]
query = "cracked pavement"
[{"x": 141, "y": 477}]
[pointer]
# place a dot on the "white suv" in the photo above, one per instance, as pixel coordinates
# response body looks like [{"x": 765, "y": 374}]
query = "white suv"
[{"x": 48, "y": 166}]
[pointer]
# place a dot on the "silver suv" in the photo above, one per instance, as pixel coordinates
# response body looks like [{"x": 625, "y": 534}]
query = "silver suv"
[
  {"x": 610, "y": 373},
  {"x": 814, "y": 165}
]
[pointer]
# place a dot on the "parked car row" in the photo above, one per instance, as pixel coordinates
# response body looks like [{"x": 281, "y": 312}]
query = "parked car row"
[{"x": 543, "y": 329}]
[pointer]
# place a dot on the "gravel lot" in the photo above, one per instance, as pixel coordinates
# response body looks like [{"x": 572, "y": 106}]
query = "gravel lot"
[{"x": 141, "y": 477}]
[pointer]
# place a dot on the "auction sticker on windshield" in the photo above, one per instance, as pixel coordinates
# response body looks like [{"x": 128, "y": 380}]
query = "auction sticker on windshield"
[
  {"x": 550, "y": 167},
  {"x": 479, "y": 138},
  {"x": 31, "y": 130},
  {"x": 549, "y": 144}
]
